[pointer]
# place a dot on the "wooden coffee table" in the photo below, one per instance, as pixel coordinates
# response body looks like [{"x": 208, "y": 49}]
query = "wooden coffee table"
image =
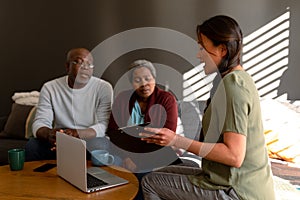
[{"x": 27, "y": 185}]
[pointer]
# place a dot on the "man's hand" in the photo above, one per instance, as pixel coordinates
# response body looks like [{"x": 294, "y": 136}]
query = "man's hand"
[
  {"x": 48, "y": 135},
  {"x": 52, "y": 137},
  {"x": 71, "y": 132}
]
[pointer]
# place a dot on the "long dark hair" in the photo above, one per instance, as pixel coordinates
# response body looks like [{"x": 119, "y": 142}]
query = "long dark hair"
[{"x": 222, "y": 29}]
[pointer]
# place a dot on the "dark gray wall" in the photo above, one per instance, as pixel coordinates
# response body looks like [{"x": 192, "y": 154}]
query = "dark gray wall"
[{"x": 35, "y": 35}]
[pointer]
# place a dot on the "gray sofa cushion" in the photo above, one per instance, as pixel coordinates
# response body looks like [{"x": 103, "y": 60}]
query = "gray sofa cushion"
[
  {"x": 15, "y": 125},
  {"x": 190, "y": 113},
  {"x": 5, "y": 145}
]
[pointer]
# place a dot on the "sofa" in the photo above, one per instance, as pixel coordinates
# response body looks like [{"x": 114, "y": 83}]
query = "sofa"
[{"x": 15, "y": 129}]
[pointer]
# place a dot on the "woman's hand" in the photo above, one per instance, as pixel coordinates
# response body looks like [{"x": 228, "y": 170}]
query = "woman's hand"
[{"x": 161, "y": 136}]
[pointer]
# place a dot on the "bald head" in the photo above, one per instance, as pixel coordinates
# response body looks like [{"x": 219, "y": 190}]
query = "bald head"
[{"x": 73, "y": 53}]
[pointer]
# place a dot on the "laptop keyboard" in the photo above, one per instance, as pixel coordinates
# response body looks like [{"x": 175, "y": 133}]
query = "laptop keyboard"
[{"x": 94, "y": 182}]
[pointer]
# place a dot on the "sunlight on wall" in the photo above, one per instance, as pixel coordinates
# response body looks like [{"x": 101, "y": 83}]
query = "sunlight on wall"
[
  {"x": 196, "y": 85},
  {"x": 265, "y": 58},
  {"x": 266, "y": 55}
]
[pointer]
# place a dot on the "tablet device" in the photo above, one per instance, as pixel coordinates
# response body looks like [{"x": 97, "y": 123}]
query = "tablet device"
[{"x": 135, "y": 130}]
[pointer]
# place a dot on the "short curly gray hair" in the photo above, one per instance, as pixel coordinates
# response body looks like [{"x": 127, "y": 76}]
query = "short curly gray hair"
[{"x": 138, "y": 64}]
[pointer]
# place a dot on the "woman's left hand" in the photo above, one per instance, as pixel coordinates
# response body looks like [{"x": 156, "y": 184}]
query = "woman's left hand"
[{"x": 159, "y": 136}]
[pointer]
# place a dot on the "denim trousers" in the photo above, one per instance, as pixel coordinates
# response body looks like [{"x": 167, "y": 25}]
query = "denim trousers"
[{"x": 36, "y": 149}]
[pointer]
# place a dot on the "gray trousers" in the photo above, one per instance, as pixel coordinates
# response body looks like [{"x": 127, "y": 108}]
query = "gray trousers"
[{"x": 172, "y": 183}]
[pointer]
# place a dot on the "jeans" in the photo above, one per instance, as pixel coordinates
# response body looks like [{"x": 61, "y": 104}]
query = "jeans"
[
  {"x": 172, "y": 183},
  {"x": 36, "y": 149}
]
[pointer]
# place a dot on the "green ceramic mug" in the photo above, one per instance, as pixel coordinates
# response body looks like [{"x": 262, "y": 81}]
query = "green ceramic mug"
[{"x": 16, "y": 158}]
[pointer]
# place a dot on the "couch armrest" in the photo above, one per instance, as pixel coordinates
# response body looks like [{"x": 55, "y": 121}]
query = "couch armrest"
[{"x": 2, "y": 122}]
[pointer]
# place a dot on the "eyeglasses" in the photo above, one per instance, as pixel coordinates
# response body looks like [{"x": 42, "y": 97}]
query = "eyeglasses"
[{"x": 82, "y": 64}]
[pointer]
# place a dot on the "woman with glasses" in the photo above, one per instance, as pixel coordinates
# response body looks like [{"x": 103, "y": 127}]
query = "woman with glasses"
[{"x": 235, "y": 162}]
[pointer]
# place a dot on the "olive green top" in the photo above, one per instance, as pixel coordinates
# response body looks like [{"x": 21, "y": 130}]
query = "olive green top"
[{"x": 235, "y": 107}]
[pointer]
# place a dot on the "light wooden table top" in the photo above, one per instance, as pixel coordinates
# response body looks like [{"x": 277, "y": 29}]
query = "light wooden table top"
[{"x": 27, "y": 185}]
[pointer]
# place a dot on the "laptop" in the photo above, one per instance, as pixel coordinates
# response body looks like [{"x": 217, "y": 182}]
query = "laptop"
[{"x": 71, "y": 166}]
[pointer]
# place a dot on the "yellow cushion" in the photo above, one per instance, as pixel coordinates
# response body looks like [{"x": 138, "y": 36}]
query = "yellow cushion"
[{"x": 282, "y": 149}]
